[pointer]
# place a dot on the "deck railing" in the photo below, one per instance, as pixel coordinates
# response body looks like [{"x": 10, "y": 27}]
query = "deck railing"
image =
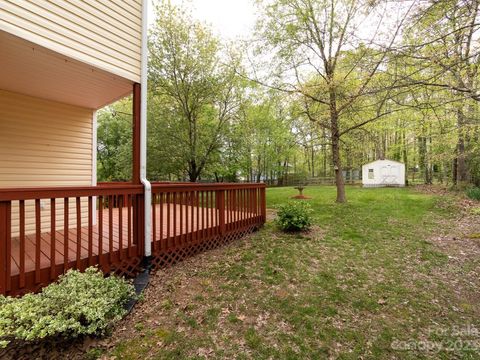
[
  {"x": 46, "y": 231},
  {"x": 184, "y": 214}
]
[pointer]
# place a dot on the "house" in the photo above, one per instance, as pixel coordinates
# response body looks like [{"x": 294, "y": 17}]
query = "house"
[
  {"x": 60, "y": 62},
  {"x": 381, "y": 173}
]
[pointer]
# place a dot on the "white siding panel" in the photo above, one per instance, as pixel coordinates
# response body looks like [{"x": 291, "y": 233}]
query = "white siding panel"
[{"x": 105, "y": 33}]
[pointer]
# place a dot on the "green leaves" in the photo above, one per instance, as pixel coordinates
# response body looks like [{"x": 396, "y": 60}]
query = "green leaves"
[
  {"x": 78, "y": 304},
  {"x": 294, "y": 216}
]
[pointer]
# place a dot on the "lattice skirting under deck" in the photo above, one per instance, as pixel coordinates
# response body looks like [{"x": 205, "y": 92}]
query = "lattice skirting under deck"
[{"x": 166, "y": 258}]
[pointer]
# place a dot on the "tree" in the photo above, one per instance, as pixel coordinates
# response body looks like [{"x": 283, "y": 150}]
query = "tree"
[
  {"x": 114, "y": 146},
  {"x": 312, "y": 42},
  {"x": 442, "y": 45},
  {"x": 198, "y": 95}
]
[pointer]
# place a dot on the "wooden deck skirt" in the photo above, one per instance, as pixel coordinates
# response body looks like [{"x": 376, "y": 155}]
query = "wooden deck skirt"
[{"x": 46, "y": 231}]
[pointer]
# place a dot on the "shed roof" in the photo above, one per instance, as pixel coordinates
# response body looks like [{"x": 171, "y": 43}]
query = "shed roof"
[{"x": 379, "y": 160}]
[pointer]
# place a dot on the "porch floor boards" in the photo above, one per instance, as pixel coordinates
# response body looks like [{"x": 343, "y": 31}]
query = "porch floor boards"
[{"x": 186, "y": 224}]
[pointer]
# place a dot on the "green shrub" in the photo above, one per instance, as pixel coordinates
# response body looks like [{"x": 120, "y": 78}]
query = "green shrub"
[
  {"x": 77, "y": 304},
  {"x": 473, "y": 193},
  {"x": 294, "y": 216}
]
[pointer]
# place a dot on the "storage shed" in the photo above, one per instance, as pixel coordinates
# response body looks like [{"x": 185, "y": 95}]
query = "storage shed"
[{"x": 381, "y": 173}]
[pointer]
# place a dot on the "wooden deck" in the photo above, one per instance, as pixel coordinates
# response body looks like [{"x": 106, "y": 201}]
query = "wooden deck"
[
  {"x": 105, "y": 225},
  {"x": 177, "y": 221}
]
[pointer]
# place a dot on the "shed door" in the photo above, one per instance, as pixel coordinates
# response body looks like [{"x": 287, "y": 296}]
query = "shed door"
[{"x": 389, "y": 174}]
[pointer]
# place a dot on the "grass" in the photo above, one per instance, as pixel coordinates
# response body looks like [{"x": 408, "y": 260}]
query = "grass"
[{"x": 363, "y": 283}]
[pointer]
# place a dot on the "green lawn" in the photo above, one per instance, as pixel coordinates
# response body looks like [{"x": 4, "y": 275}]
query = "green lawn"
[{"x": 366, "y": 277}]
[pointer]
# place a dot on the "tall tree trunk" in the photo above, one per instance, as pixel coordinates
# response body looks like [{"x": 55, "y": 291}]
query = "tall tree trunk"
[
  {"x": 337, "y": 165},
  {"x": 324, "y": 150},
  {"x": 313, "y": 161},
  {"x": 339, "y": 182},
  {"x": 193, "y": 171},
  {"x": 405, "y": 156},
  {"x": 462, "y": 171}
]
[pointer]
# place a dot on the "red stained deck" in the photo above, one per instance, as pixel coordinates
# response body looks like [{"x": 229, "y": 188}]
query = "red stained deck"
[
  {"x": 104, "y": 226},
  {"x": 184, "y": 224}
]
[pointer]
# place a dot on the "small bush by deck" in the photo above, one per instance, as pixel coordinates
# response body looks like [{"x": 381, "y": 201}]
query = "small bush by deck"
[{"x": 78, "y": 304}]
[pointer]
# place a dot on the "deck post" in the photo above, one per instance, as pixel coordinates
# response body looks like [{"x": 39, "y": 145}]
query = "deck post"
[
  {"x": 263, "y": 203},
  {"x": 5, "y": 232},
  {"x": 220, "y": 196}
]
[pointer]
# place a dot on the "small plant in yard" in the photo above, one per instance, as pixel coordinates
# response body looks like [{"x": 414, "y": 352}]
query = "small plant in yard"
[
  {"x": 473, "y": 193},
  {"x": 77, "y": 304},
  {"x": 294, "y": 216}
]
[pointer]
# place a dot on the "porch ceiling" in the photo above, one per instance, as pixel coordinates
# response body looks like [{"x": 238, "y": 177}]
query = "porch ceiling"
[{"x": 30, "y": 69}]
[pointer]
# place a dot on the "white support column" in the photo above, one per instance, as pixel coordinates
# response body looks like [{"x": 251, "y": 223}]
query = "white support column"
[{"x": 94, "y": 163}]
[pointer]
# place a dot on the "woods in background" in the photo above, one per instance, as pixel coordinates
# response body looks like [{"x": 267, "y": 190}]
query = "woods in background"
[{"x": 324, "y": 87}]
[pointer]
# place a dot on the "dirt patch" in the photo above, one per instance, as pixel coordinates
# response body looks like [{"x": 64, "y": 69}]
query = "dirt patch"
[{"x": 459, "y": 239}]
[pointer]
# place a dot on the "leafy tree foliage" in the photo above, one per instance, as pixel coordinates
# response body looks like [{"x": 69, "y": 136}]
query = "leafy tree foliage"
[{"x": 315, "y": 96}]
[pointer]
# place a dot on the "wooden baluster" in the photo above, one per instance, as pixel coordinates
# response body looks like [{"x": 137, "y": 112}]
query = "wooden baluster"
[
  {"x": 235, "y": 209},
  {"x": 174, "y": 200},
  {"x": 129, "y": 220},
  {"x": 90, "y": 231},
  {"x": 197, "y": 209},
  {"x": 111, "y": 200},
  {"x": 229, "y": 212},
  {"x": 203, "y": 214},
  {"x": 220, "y": 195},
  {"x": 249, "y": 207},
  {"x": 207, "y": 210},
  {"x": 263, "y": 204},
  {"x": 65, "y": 234},
  {"x": 210, "y": 208},
  {"x": 53, "y": 229},
  {"x": 167, "y": 200},
  {"x": 187, "y": 216},
  {"x": 79, "y": 232},
  {"x": 255, "y": 203},
  {"x": 162, "y": 220},
  {"x": 180, "y": 201},
  {"x": 154, "y": 222},
  {"x": 100, "y": 231},
  {"x": 120, "y": 226},
  {"x": 38, "y": 231},
  {"x": 252, "y": 206},
  {"x": 194, "y": 217},
  {"x": 242, "y": 194},
  {"x": 22, "y": 242}
]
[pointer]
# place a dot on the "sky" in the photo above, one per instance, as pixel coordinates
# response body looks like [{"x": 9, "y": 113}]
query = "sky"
[{"x": 229, "y": 18}]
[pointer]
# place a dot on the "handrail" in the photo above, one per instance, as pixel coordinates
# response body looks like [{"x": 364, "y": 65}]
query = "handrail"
[
  {"x": 33, "y": 193},
  {"x": 200, "y": 186}
]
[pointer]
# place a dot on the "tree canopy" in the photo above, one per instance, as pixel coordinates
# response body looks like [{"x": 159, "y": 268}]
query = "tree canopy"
[{"x": 321, "y": 87}]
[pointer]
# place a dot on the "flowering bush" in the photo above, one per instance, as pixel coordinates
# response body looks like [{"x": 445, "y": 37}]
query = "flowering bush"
[
  {"x": 294, "y": 216},
  {"x": 77, "y": 304}
]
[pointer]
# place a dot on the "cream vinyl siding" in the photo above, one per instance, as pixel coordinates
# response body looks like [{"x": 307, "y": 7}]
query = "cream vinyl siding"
[
  {"x": 103, "y": 33},
  {"x": 44, "y": 143}
]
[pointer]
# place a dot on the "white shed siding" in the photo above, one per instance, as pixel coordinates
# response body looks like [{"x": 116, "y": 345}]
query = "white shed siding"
[
  {"x": 383, "y": 173},
  {"x": 102, "y": 33}
]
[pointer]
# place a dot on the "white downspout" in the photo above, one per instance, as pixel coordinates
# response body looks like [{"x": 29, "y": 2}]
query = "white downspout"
[
  {"x": 143, "y": 130},
  {"x": 94, "y": 162}
]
